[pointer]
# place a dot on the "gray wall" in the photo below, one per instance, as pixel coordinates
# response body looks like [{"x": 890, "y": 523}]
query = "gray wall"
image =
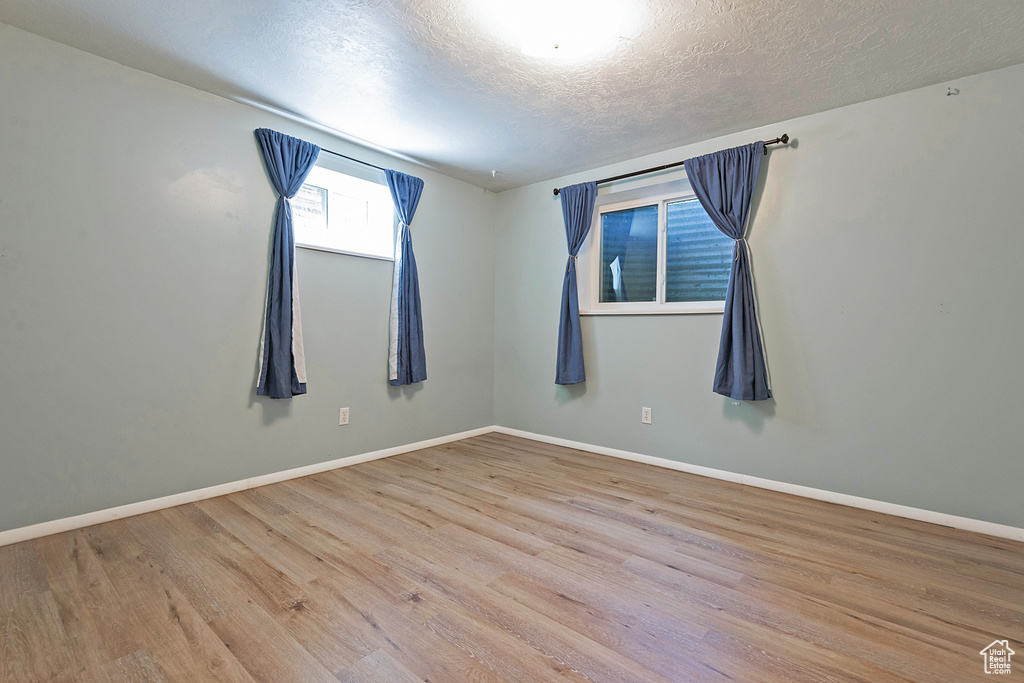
[
  {"x": 135, "y": 221},
  {"x": 134, "y": 231},
  {"x": 887, "y": 249}
]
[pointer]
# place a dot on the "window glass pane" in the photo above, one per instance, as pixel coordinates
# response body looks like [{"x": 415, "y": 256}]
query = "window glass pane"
[
  {"x": 309, "y": 208},
  {"x": 699, "y": 257},
  {"x": 629, "y": 254},
  {"x": 340, "y": 212}
]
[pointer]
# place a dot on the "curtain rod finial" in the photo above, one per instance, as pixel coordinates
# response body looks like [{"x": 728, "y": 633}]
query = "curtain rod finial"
[{"x": 555, "y": 191}]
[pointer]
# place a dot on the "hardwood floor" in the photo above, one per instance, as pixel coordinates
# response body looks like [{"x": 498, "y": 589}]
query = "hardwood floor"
[{"x": 502, "y": 559}]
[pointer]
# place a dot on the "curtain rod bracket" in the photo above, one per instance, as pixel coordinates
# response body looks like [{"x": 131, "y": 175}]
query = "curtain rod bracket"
[{"x": 783, "y": 140}]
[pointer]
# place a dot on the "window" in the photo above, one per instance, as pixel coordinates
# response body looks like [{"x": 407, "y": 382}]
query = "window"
[
  {"x": 346, "y": 212},
  {"x": 656, "y": 251}
]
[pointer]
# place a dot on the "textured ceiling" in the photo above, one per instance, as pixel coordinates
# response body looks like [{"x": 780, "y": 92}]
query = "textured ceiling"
[{"x": 436, "y": 81}]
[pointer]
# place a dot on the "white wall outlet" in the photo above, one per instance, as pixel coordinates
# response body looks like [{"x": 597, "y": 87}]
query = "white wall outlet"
[
  {"x": 645, "y": 416},
  {"x": 343, "y": 417}
]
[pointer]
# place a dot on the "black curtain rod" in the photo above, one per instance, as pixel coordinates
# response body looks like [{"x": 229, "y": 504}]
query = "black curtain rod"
[
  {"x": 782, "y": 140},
  {"x": 358, "y": 161}
]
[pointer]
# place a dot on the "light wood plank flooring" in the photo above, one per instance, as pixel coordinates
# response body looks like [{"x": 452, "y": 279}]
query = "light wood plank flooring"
[{"x": 501, "y": 559}]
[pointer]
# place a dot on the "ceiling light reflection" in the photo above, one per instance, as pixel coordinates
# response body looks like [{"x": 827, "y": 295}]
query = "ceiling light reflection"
[{"x": 566, "y": 30}]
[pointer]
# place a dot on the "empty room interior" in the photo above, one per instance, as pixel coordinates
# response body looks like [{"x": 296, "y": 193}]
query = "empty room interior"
[{"x": 509, "y": 340}]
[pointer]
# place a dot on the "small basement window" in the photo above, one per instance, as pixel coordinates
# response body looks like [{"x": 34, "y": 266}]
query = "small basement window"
[
  {"x": 345, "y": 211},
  {"x": 656, "y": 251}
]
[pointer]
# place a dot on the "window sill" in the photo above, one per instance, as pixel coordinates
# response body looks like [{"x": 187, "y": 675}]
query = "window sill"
[
  {"x": 313, "y": 247},
  {"x": 716, "y": 307}
]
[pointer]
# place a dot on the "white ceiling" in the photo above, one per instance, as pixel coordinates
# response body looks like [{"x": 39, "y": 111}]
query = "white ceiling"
[{"x": 432, "y": 79}]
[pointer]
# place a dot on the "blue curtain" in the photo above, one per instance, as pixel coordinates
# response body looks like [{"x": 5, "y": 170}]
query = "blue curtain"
[
  {"x": 577, "y": 212},
  {"x": 407, "y": 362},
  {"x": 282, "y": 362},
  {"x": 724, "y": 184}
]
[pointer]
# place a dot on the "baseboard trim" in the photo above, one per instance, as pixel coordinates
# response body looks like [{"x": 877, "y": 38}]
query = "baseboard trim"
[
  {"x": 940, "y": 518},
  {"x": 57, "y": 526}
]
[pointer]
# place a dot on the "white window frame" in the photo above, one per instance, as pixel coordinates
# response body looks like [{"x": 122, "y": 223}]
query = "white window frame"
[
  {"x": 588, "y": 261},
  {"x": 361, "y": 172}
]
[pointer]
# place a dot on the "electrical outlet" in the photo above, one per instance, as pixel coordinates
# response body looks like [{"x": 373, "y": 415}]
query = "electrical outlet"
[
  {"x": 343, "y": 417},
  {"x": 645, "y": 416}
]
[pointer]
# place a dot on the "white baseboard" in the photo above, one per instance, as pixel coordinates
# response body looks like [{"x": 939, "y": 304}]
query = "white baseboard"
[
  {"x": 90, "y": 518},
  {"x": 941, "y": 518},
  {"x": 57, "y": 526}
]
